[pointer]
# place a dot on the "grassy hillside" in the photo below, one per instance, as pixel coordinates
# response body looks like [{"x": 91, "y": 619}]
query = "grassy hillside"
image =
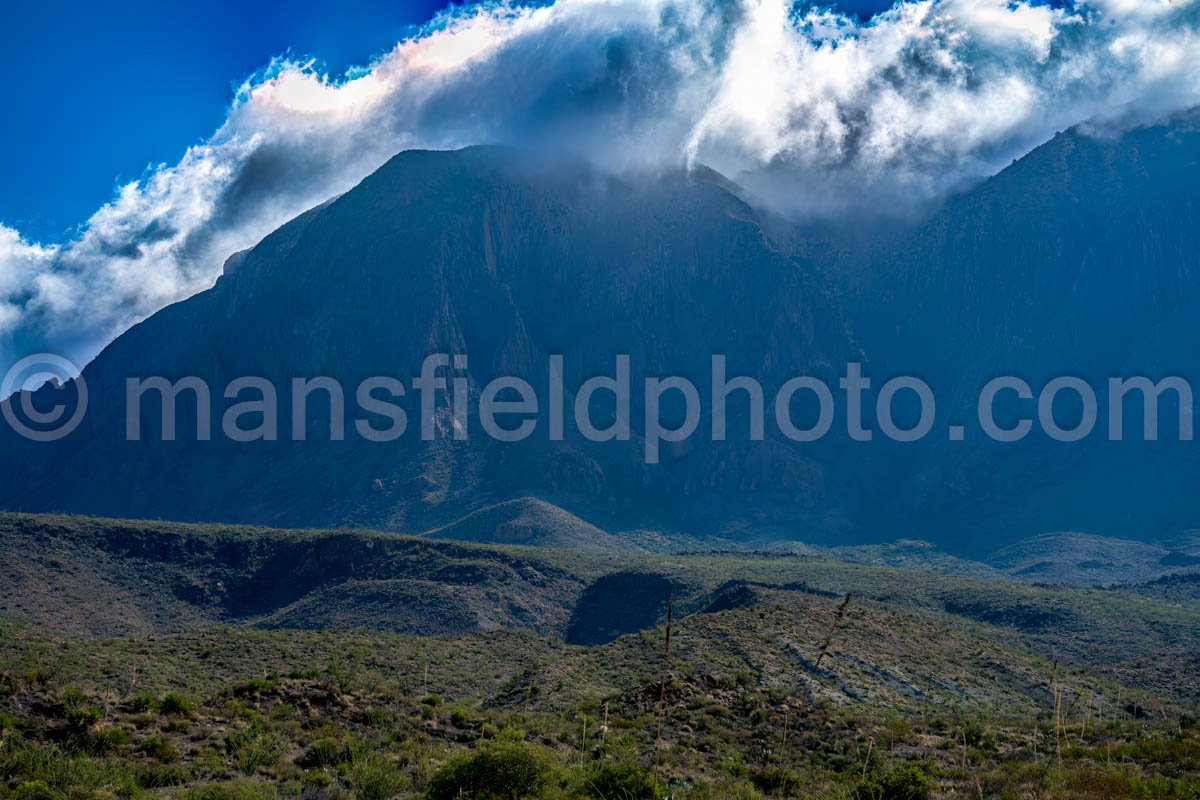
[
  {"x": 152, "y": 659},
  {"x": 84, "y": 577},
  {"x": 530, "y": 522},
  {"x": 741, "y": 712},
  {"x": 1079, "y": 558},
  {"x": 88, "y": 576}
]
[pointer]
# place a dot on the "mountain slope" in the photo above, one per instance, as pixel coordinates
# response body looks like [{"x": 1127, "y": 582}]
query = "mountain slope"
[
  {"x": 531, "y": 522},
  {"x": 92, "y": 577},
  {"x": 1078, "y": 260},
  {"x": 1078, "y": 558},
  {"x": 481, "y": 253},
  {"x": 104, "y": 577}
]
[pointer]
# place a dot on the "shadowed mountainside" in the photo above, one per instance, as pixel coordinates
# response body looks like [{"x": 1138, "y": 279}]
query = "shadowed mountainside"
[
  {"x": 1077, "y": 260},
  {"x": 474, "y": 252}
]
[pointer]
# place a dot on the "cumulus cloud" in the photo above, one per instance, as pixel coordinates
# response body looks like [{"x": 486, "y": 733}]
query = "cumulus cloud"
[{"x": 814, "y": 111}]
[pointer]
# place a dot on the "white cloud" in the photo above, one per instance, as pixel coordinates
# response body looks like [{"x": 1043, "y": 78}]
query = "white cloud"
[{"x": 816, "y": 112}]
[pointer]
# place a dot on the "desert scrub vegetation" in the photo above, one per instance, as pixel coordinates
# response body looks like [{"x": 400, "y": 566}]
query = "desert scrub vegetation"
[
  {"x": 229, "y": 714},
  {"x": 176, "y": 704},
  {"x": 508, "y": 769}
]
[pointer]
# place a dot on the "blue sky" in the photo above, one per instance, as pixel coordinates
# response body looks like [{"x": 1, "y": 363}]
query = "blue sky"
[
  {"x": 94, "y": 92},
  {"x": 817, "y": 117}
]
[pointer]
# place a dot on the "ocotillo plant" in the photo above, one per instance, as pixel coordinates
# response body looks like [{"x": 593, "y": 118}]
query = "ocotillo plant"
[
  {"x": 837, "y": 619},
  {"x": 662, "y": 689}
]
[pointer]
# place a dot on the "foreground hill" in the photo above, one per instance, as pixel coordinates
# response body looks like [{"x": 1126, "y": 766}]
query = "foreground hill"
[
  {"x": 101, "y": 577},
  {"x": 227, "y": 713},
  {"x": 89, "y": 577},
  {"x": 782, "y": 676}
]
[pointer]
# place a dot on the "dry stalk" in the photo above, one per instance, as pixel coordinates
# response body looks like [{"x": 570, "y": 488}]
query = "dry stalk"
[
  {"x": 662, "y": 691},
  {"x": 837, "y": 620}
]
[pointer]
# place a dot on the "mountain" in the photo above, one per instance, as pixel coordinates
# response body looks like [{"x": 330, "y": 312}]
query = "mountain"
[
  {"x": 483, "y": 253},
  {"x": 1079, "y": 260}
]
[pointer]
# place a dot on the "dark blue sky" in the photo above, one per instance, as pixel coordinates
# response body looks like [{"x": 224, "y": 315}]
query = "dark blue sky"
[{"x": 94, "y": 92}]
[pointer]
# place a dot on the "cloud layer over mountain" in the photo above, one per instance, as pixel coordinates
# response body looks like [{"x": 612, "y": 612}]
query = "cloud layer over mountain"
[{"x": 816, "y": 112}]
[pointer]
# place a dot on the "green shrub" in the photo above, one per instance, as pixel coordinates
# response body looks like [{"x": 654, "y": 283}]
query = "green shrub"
[
  {"x": 160, "y": 748},
  {"x": 745, "y": 791},
  {"x": 319, "y": 784},
  {"x": 511, "y": 734},
  {"x": 776, "y": 780},
  {"x": 177, "y": 705},
  {"x": 252, "y": 750},
  {"x": 43, "y": 675},
  {"x": 374, "y": 777},
  {"x": 976, "y": 735},
  {"x": 903, "y": 782},
  {"x": 611, "y": 781},
  {"x": 343, "y": 669},
  {"x": 159, "y": 776},
  {"x": 140, "y": 721},
  {"x": 78, "y": 713},
  {"x": 322, "y": 754},
  {"x": 106, "y": 740},
  {"x": 142, "y": 702},
  {"x": 35, "y": 790},
  {"x": 51, "y": 772},
  {"x": 178, "y": 725},
  {"x": 235, "y": 790},
  {"x": 499, "y": 770}
]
